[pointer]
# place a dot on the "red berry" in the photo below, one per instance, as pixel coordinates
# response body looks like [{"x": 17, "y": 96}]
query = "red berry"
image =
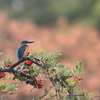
[
  {"x": 2, "y": 75},
  {"x": 40, "y": 84},
  {"x": 9, "y": 64},
  {"x": 34, "y": 79},
  {"x": 30, "y": 62},
  {"x": 38, "y": 81},
  {"x": 38, "y": 76},
  {"x": 19, "y": 68},
  {"x": 78, "y": 79},
  {"x": 26, "y": 71}
]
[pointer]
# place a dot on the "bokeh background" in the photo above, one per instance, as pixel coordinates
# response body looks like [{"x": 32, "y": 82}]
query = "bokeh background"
[{"x": 71, "y": 26}]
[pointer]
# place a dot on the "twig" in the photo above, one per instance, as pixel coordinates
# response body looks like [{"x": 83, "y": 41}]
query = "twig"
[
  {"x": 44, "y": 93},
  {"x": 52, "y": 97},
  {"x": 6, "y": 92},
  {"x": 26, "y": 75},
  {"x": 18, "y": 62},
  {"x": 36, "y": 61},
  {"x": 95, "y": 97}
]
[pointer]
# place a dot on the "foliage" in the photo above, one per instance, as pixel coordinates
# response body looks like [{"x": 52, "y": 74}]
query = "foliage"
[
  {"x": 41, "y": 67},
  {"x": 6, "y": 88}
]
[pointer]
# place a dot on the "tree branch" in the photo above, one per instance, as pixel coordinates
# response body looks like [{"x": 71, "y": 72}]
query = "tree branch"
[{"x": 11, "y": 68}]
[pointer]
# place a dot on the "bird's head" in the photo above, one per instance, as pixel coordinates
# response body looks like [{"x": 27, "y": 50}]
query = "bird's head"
[{"x": 26, "y": 42}]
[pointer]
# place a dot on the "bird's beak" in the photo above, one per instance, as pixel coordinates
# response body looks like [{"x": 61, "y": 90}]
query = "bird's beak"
[{"x": 31, "y": 42}]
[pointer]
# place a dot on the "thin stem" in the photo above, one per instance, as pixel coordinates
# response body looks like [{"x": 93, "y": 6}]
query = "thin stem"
[
  {"x": 95, "y": 97},
  {"x": 44, "y": 93}
]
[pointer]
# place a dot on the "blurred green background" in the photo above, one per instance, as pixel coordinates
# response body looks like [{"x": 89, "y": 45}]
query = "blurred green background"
[
  {"x": 71, "y": 26},
  {"x": 47, "y": 12}
]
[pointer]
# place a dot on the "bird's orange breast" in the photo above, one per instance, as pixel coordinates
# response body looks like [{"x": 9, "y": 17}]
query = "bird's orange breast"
[{"x": 27, "y": 50}]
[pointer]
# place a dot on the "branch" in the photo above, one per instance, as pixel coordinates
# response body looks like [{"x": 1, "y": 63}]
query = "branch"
[
  {"x": 36, "y": 61},
  {"x": 95, "y": 97},
  {"x": 26, "y": 75},
  {"x": 6, "y": 92},
  {"x": 10, "y": 69},
  {"x": 45, "y": 93},
  {"x": 18, "y": 62}
]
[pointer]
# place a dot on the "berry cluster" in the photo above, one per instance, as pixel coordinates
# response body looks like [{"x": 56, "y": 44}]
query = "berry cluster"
[
  {"x": 38, "y": 81},
  {"x": 2, "y": 75}
]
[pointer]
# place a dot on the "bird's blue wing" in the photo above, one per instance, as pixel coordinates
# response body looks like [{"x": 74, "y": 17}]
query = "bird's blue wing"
[{"x": 20, "y": 51}]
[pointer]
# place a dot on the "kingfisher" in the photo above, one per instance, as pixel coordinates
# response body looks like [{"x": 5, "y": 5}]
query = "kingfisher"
[{"x": 24, "y": 49}]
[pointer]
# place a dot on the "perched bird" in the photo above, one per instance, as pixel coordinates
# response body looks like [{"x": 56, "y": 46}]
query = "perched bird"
[{"x": 24, "y": 49}]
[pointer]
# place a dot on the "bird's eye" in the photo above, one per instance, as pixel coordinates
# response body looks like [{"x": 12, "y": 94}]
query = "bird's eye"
[{"x": 22, "y": 43}]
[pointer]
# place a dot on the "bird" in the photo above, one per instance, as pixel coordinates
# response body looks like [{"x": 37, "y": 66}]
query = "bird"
[{"x": 24, "y": 49}]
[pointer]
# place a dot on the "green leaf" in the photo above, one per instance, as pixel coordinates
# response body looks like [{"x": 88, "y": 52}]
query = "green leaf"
[
  {"x": 71, "y": 83},
  {"x": 65, "y": 89},
  {"x": 79, "y": 66},
  {"x": 88, "y": 95},
  {"x": 7, "y": 62},
  {"x": 7, "y": 77},
  {"x": 14, "y": 78},
  {"x": 80, "y": 74},
  {"x": 3, "y": 85},
  {"x": 77, "y": 91},
  {"x": 1, "y": 53},
  {"x": 55, "y": 69},
  {"x": 72, "y": 70},
  {"x": 75, "y": 98},
  {"x": 45, "y": 90},
  {"x": 51, "y": 95}
]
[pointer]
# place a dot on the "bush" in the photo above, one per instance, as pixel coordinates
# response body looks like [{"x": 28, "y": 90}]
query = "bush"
[{"x": 41, "y": 66}]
